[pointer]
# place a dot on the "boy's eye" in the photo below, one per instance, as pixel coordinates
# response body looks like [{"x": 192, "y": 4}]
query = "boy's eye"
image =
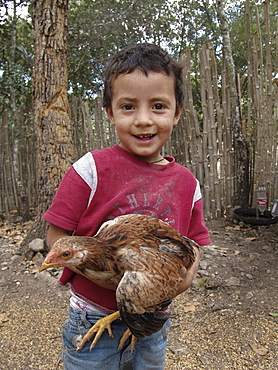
[
  {"x": 159, "y": 106},
  {"x": 127, "y": 107}
]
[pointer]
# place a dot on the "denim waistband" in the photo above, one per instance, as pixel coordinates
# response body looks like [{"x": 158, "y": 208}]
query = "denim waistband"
[{"x": 79, "y": 315}]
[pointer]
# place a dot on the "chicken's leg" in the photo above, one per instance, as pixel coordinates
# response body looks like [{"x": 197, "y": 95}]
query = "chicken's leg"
[
  {"x": 98, "y": 329},
  {"x": 125, "y": 336}
]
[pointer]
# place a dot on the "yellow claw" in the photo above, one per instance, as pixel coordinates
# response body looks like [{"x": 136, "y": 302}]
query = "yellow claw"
[
  {"x": 98, "y": 328},
  {"x": 132, "y": 345},
  {"x": 125, "y": 336}
]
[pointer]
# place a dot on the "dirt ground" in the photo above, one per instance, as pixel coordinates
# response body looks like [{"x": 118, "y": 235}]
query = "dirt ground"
[{"x": 227, "y": 320}]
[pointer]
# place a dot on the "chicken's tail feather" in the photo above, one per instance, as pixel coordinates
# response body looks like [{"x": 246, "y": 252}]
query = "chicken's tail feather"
[{"x": 143, "y": 325}]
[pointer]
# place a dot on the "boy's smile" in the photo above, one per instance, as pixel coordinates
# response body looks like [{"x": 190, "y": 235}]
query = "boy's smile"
[{"x": 143, "y": 111}]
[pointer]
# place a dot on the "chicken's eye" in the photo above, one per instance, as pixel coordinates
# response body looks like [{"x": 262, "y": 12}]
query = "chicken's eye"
[{"x": 66, "y": 254}]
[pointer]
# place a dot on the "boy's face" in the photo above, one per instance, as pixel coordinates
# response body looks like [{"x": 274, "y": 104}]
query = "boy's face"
[{"x": 143, "y": 110}]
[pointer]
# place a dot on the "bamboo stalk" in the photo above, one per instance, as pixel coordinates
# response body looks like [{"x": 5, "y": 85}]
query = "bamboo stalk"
[
  {"x": 275, "y": 119},
  {"x": 269, "y": 122},
  {"x": 228, "y": 142},
  {"x": 88, "y": 120},
  {"x": 214, "y": 106},
  {"x": 207, "y": 183}
]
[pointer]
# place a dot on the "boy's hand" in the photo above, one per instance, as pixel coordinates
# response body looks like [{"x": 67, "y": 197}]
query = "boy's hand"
[{"x": 189, "y": 274}]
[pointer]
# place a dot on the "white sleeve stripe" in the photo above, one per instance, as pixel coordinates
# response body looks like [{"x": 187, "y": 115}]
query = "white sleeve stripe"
[
  {"x": 86, "y": 169},
  {"x": 197, "y": 194}
]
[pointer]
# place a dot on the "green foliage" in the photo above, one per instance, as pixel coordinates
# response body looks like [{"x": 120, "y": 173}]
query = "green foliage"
[
  {"x": 99, "y": 28},
  {"x": 238, "y": 29},
  {"x": 195, "y": 22},
  {"x": 16, "y": 57}
]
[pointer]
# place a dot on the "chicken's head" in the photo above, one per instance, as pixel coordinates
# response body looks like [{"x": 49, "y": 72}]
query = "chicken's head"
[{"x": 64, "y": 253}]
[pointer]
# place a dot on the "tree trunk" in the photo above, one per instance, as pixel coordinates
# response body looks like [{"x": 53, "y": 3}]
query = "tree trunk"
[
  {"x": 240, "y": 143},
  {"x": 51, "y": 109}
]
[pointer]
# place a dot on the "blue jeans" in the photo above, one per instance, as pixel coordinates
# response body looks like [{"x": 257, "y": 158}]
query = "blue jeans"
[{"x": 149, "y": 353}]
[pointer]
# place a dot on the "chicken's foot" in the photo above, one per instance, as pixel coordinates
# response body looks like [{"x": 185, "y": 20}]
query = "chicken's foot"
[
  {"x": 125, "y": 336},
  {"x": 98, "y": 329}
]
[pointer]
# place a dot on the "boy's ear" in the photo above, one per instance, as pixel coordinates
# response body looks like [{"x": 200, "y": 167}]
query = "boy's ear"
[
  {"x": 177, "y": 115},
  {"x": 109, "y": 113}
]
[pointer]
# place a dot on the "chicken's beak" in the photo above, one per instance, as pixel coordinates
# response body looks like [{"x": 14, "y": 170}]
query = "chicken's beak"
[
  {"x": 49, "y": 261},
  {"x": 46, "y": 265}
]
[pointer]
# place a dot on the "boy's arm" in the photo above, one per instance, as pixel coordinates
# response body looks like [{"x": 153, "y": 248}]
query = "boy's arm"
[
  {"x": 54, "y": 233},
  {"x": 189, "y": 274}
]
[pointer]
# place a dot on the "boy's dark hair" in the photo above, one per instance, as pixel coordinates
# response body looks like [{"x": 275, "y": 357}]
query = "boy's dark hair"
[{"x": 145, "y": 57}]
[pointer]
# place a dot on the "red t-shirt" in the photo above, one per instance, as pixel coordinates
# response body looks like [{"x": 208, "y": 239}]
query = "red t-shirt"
[{"x": 110, "y": 182}]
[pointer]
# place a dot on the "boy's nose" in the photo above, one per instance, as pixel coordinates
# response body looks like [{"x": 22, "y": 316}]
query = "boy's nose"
[{"x": 143, "y": 118}]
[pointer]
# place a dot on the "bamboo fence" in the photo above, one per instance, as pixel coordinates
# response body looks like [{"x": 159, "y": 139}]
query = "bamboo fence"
[
  {"x": 18, "y": 165},
  {"x": 203, "y": 141}
]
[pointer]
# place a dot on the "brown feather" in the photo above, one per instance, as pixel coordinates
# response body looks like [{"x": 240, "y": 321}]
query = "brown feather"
[{"x": 141, "y": 254}]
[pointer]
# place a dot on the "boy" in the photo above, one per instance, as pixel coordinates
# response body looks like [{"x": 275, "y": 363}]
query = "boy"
[{"x": 143, "y": 97}]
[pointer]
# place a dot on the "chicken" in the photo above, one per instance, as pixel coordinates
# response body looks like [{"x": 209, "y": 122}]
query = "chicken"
[{"x": 142, "y": 256}]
